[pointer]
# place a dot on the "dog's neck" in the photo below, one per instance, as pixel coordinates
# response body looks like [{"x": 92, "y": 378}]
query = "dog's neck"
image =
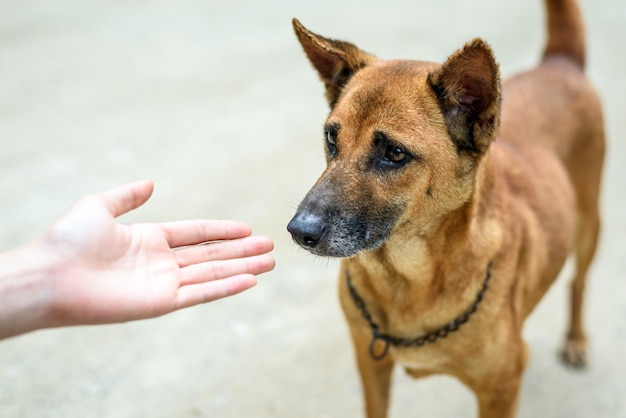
[{"x": 447, "y": 256}]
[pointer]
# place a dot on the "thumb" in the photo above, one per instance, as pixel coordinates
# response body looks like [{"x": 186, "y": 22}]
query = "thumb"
[{"x": 123, "y": 199}]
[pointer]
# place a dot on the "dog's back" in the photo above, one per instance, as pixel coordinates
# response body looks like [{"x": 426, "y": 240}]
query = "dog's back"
[
  {"x": 565, "y": 112},
  {"x": 554, "y": 106}
]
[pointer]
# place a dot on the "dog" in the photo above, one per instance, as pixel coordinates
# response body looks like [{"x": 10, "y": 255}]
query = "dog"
[{"x": 453, "y": 202}]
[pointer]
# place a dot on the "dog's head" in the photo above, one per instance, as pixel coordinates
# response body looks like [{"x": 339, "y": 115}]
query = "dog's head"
[{"x": 403, "y": 142}]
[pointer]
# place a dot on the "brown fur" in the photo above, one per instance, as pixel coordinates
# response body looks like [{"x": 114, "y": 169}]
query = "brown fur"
[{"x": 418, "y": 197}]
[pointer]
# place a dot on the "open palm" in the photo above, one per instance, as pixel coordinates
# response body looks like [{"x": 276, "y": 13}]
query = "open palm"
[{"x": 113, "y": 272}]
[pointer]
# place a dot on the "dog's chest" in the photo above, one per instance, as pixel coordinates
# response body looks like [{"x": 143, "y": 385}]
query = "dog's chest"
[{"x": 421, "y": 361}]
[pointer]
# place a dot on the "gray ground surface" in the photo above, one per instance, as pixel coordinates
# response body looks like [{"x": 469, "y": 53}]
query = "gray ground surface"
[{"x": 216, "y": 102}]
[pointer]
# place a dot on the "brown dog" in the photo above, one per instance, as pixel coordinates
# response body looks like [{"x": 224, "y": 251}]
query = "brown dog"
[{"x": 454, "y": 214}]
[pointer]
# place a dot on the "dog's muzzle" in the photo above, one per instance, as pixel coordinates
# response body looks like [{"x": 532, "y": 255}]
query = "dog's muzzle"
[
  {"x": 330, "y": 224},
  {"x": 334, "y": 235}
]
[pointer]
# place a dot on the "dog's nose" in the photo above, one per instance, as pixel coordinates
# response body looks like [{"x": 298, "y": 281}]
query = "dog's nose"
[{"x": 306, "y": 229}]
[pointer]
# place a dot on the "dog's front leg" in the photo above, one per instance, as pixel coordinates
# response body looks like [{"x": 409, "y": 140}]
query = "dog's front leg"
[
  {"x": 498, "y": 391},
  {"x": 500, "y": 400},
  {"x": 375, "y": 374}
]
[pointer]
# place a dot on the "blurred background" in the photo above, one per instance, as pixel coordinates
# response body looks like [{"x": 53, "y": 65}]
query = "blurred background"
[{"x": 216, "y": 103}]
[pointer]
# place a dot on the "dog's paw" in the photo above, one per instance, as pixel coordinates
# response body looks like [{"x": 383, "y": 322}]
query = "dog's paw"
[{"x": 574, "y": 354}]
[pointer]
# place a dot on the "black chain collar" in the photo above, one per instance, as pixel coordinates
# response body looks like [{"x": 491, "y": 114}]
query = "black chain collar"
[{"x": 430, "y": 337}]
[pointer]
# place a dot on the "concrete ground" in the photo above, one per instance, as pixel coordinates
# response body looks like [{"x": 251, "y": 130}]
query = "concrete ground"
[{"x": 216, "y": 102}]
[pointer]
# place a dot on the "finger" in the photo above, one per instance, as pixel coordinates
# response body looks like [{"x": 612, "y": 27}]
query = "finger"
[
  {"x": 224, "y": 250},
  {"x": 123, "y": 199},
  {"x": 206, "y": 292},
  {"x": 216, "y": 270},
  {"x": 182, "y": 233}
]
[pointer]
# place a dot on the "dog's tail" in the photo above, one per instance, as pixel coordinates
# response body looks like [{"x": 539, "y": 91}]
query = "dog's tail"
[{"x": 566, "y": 31}]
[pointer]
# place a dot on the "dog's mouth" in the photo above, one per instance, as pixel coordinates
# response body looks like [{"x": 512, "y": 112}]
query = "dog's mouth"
[{"x": 337, "y": 235}]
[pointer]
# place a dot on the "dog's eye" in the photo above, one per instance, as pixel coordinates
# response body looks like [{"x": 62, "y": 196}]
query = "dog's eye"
[
  {"x": 395, "y": 154},
  {"x": 330, "y": 134},
  {"x": 388, "y": 155},
  {"x": 331, "y": 138}
]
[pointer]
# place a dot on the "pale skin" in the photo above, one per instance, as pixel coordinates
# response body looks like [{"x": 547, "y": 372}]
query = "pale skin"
[{"x": 89, "y": 269}]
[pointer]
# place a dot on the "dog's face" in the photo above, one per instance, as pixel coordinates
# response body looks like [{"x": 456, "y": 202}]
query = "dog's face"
[{"x": 403, "y": 140}]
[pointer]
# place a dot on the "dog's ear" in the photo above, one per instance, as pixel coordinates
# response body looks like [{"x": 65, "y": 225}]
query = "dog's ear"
[
  {"x": 467, "y": 86},
  {"x": 335, "y": 61}
]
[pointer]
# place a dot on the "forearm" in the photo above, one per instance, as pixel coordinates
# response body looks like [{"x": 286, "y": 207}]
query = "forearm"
[{"x": 25, "y": 290}]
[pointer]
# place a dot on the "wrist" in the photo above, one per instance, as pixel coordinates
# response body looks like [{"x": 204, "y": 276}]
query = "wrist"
[{"x": 26, "y": 289}]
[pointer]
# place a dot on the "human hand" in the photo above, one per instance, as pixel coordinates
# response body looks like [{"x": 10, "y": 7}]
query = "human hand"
[{"x": 99, "y": 271}]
